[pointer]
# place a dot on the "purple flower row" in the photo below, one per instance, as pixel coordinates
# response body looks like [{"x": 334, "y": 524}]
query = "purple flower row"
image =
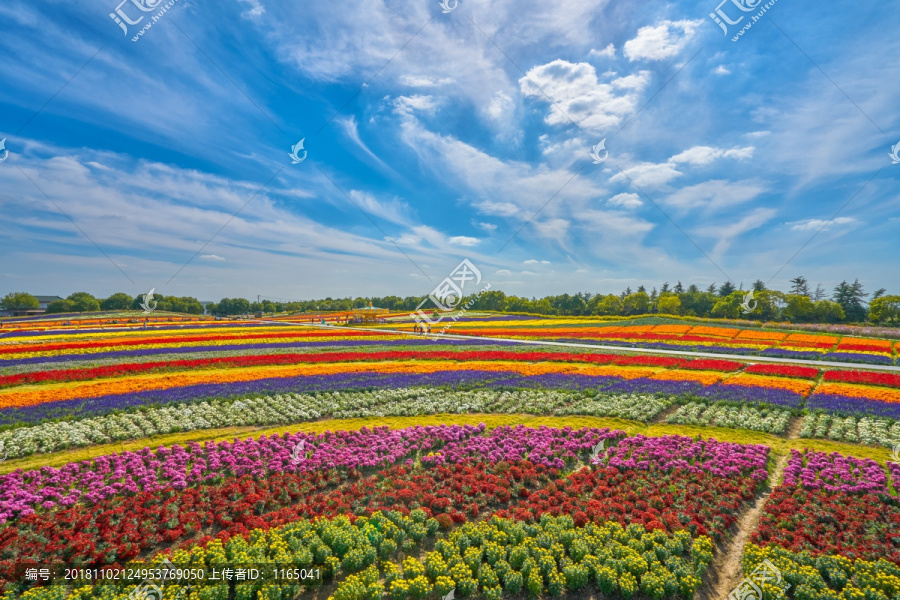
[
  {"x": 834, "y": 472},
  {"x": 89, "y": 481},
  {"x": 723, "y": 459},
  {"x": 273, "y": 385},
  {"x": 835, "y": 403},
  {"x": 548, "y": 446}
]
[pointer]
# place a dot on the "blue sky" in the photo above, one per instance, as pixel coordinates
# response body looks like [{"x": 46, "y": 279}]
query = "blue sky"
[{"x": 434, "y": 137}]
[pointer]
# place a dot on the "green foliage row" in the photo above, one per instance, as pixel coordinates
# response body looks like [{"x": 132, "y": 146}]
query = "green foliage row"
[
  {"x": 505, "y": 557},
  {"x": 827, "y": 577}
]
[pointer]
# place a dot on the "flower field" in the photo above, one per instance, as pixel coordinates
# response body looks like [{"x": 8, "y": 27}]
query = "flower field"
[{"x": 364, "y": 511}]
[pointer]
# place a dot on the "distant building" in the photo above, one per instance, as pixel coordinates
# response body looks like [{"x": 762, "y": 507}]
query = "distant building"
[{"x": 44, "y": 301}]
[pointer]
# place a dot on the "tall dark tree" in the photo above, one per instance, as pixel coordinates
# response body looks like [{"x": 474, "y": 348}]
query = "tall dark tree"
[
  {"x": 678, "y": 289},
  {"x": 641, "y": 289},
  {"x": 726, "y": 288},
  {"x": 851, "y": 298},
  {"x": 878, "y": 293},
  {"x": 800, "y": 286},
  {"x": 665, "y": 288},
  {"x": 759, "y": 285},
  {"x": 712, "y": 288},
  {"x": 819, "y": 294}
]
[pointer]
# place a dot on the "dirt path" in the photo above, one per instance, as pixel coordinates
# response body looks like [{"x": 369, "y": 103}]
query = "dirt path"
[{"x": 725, "y": 570}]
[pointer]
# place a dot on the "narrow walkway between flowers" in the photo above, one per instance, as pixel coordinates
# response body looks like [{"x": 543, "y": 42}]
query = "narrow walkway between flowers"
[{"x": 726, "y": 566}]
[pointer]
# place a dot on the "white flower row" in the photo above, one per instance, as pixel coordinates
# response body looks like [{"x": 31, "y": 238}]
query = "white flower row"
[
  {"x": 293, "y": 408},
  {"x": 770, "y": 420},
  {"x": 865, "y": 430},
  {"x": 638, "y": 407}
]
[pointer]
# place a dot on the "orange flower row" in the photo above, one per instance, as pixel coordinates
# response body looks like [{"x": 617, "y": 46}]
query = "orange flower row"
[
  {"x": 812, "y": 339},
  {"x": 793, "y": 385},
  {"x": 859, "y": 391},
  {"x": 715, "y": 331},
  {"x": 773, "y": 336}
]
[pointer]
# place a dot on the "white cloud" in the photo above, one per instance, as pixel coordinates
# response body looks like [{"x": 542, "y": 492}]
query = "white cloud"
[
  {"x": 501, "y": 106},
  {"x": 577, "y": 94},
  {"x": 625, "y": 200},
  {"x": 648, "y": 174},
  {"x": 704, "y": 155},
  {"x": 817, "y": 224},
  {"x": 393, "y": 210},
  {"x": 211, "y": 257},
  {"x": 464, "y": 240},
  {"x": 716, "y": 194},
  {"x": 721, "y": 70},
  {"x": 609, "y": 52},
  {"x": 728, "y": 233},
  {"x": 532, "y": 261},
  {"x": 504, "y": 272},
  {"x": 256, "y": 9},
  {"x": 407, "y": 238},
  {"x": 489, "y": 227},
  {"x": 407, "y": 105},
  {"x": 419, "y": 81},
  {"x": 661, "y": 41}
]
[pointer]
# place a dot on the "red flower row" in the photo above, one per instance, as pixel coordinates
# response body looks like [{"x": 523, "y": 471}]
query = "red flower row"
[
  {"x": 173, "y": 339},
  {"x": 864, "y": 377},
  {"x": 863, "y": 526},
  {"x": 783, "y": 371},
  {"x": 701, "y": 503},
  {"x": 121, "y": 528},
  {"x": 713, "y": 365}
]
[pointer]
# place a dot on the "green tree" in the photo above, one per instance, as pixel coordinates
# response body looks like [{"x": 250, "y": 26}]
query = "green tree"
[
  {"x": 84, "y": 302},
  {"x": 637, "y": 303},
  {"x": 61, "y": 306},
  {"x": 799, "y": 309},
  {"x": 799, "y": 286},
  {"x": 728, "y": 307},
  {"x": 607, "y": 305},
  {"x": 726, "y": 288},
  {"x": 827, "y": 311},
  {"x": 759, "y": 285},
  {"x": 851, "y": 298},
  {"x": 678, "y": 288},
  {"x": 19, "y": 301},
  {"x": 885, "y": 308},
  {"x": 118, "y": 301},
  {"x": 668, "y": 304}
]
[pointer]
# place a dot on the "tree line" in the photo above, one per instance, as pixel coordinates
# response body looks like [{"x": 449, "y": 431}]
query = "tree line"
[{"x": 847, "y": 303}]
